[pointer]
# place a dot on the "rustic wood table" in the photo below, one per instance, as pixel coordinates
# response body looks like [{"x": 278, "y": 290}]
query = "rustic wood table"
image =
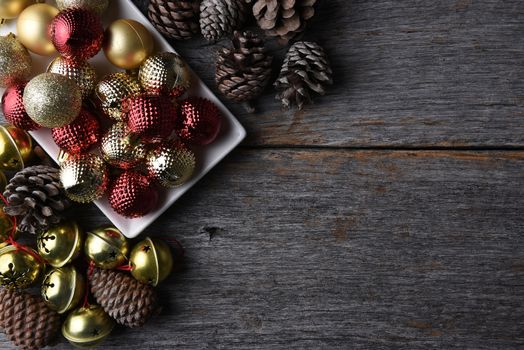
[{"x": 387, "y": 215}]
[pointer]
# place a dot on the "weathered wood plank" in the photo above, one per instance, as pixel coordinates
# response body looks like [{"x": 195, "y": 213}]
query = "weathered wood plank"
[{"x": 343, "y": 249}]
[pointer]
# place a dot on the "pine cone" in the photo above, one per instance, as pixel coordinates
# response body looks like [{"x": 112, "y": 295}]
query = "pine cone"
[
  {"x": 36, "y": 197},
  {"x": 244, "y": 71},
  {"x": 283, "y": 18},
  {"x": 128, "y": 301},
  {"x": 176, "y": 19},
  {"x": 26, "y": 319},
  {"x": 305, "y": 69},
  {"x": 221, "y": 17}
]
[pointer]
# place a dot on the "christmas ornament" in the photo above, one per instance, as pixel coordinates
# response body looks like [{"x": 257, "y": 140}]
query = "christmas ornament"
[
  {"x": 122, "y": 148},
  {"x": 127, "y": 43},
  {"x": 199, "y": 121},
  {"x": 171, "y": 164},
  {"x": 52, "y": 100},
  {"x": 221, "y": 17},
  {"x": 151, "y": 261},
  {"x": 128, "y": 301},
  {"x": 165, "y": 73},
  {"x": 63, "y": 288},
  {"x": 152, "y": 117},
  {"x": 283, "y": 18},
  {"x": 131, "y": 195},
  {"x": 80, "y": 135},
  {"x": 243, "y": 72},
  {"x": 77, "y": 33},
  {"x": 113, "y": 89},
  {"x": 97, "y": 6},
  {"x": 6, "y": 227},
  {"x": 176, "y": 19},
  {"x": 84, "y": 177},
  {"x": 10, "y": 9},
  {"x": 13, "y": 108},
  {"x": 80, "y": 72},
  {"x": 305, "y": 70},
  {"x": 32, "y": 25},
  {"x": 107, "y": 247},
  {"x": 87, "y": 326},
  {"x": 26, "y": 319},
  {"x": 16, "y": 148},
  {"x": 19, "y": 267},
  {"x": 15, "y": 61},
  {"x": 61, "y": 244}
]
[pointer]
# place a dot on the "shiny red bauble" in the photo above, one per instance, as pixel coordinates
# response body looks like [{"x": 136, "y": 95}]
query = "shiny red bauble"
[
  {"x": 77, "y": 33},
  {"x": 199, "y": 121},
  {"x": 132, "y": 195},
  {"x": 14, "y": 110},
  {"x": 80, "y": 135}
]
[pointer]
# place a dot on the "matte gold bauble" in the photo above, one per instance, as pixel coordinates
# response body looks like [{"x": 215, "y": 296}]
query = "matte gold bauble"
[
  {"x": 151, "y": 261},
  {"x": 97, "y": 6},
  {"x": 63, "y": 288},
  {"x": 127, "y": 43},
  {"x": 87, "y": 326},
  {"x": 32, "y": 25},
  {"x": 16, "y": 148},
  {"x": 18, "y": 268},
  {"x": 82, "y": 73},
  {"x": 10, "y": 9},
  {"x": 61, "y": 244},
  {"x": 15, "y": 61},
  {"x": 107, "y": 247}
]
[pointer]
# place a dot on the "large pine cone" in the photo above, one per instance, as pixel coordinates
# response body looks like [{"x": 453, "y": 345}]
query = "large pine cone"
[
  {"x": 283, "y": 18},
  {"x": 305, "y": 69},
  {"x": 243, "y": 72},
  {"x": 221, "y": 17},
  {"x": 128, "y": 301},
  {"x": 26, "y": 319},
  {"x": 177, "y": 19},
  {"x": 36, "y": 197}
]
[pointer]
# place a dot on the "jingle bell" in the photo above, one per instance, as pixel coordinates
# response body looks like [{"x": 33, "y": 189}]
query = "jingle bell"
[
  {"x": 87, "y": 326},
  {"x": 61, "y": 244},
  {"x": 63, "y": 288},
  {"x": 16, "y": 148},
  {"x": 151, "y": 261},
  {"x": 18, "y": 267},
  {"x": 107, "y": 247}
]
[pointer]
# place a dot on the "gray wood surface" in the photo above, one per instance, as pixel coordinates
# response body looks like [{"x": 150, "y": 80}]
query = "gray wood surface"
[{"x": 389, "y": 215}]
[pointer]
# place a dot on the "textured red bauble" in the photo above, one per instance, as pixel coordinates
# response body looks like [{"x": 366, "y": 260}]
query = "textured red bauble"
[
  {"x": 132, "y": 195},
  {"x": 199, "y": 121},
  {"x": 152, "y": 117},
  {"x": 77, "y": 33},
  {"x": 14, "y": 110},
  {"x": 80, "y": 135}
]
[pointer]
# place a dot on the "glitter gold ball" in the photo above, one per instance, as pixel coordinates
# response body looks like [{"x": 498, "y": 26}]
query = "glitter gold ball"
[
  {"x": 80, "y": 72},
  {"x": 15, "y": 61},
  {"x": 97, "y": 6},
  {"x": 10, "y": 9},
  {"x": 121, "y": 148},
  {"x": 171, "y": 164},
  {"x": 32, "y": 25},
  {"x": 112, "y": 89},
  {"x": 52, "y": 100},
  {"x": 84, "y": 177},
  {"x": 165, "y": 73}
]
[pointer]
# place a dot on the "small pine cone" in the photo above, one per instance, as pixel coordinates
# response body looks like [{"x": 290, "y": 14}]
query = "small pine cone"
[
  {"x": 243, "y": 72},
  {"x": 305, "y": 69},
  {"x": 128, "y": 301},
  {"x": 36, "y": 197},
  {"x": 177, "y": 19},
  {"x": 221, "y": 17},
  {"x": 26, "y": 319}
]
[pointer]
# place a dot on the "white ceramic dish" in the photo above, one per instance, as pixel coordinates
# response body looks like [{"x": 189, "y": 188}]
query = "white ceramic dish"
[{"x": 231, "y": 135}]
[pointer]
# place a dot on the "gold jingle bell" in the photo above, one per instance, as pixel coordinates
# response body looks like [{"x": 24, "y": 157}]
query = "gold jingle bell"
[
  {"x": 16, "y": 148},
  {"x": 18, "y": 268},
  {"x": 10, "y": 9},
  {"x": 87, "y": 326},
  {"x": 63, "y": 288},
  {"x": 107, "y": 247},
  {"x": 61, "y": 244},
  {"x": 151, "y": 261}
]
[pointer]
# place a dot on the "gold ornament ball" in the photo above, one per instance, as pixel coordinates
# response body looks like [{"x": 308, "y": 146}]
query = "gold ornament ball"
[
  {"x": 10, "y": 9},
  {"x": 85, "y": 177},
  {"x": 107, "y": 247},
  {"x": 80, "y": 72},
  {"x": 15, "y": 61},
  {"x": 16, "y": 148},
  {"x": 63, "y": 288},
  {"x": 151, "y": 261},
  {"x": 122, "y": 148},
  {"x": 165, "y": 73},
  {"x": 171, "y": 165},
  {"x": 61, "y": 244},
  {"x": 18, "y": 268},
  {"x": 127, "y": 43},
  {"x": 32, "y": 25},
  {"x": 87, "y": 326},
  {"x": 112, "y": 89},
  {"x": 97, "y": 6},
  {"x": 52, "y": 100}
]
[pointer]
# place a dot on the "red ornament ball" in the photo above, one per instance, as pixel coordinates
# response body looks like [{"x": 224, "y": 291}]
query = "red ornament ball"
[
  {"x": 199, "y": 121},
  {"x": 80, "y": 135},
  {"x": 132, "y": 195},
  {"x": 77, "y": 33},
  {"x": 152, "y": 117},
  {"x": 14, "y": 110}
]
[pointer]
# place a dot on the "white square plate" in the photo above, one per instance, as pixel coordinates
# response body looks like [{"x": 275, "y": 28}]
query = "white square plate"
[{"x": 231, "y": 134}]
